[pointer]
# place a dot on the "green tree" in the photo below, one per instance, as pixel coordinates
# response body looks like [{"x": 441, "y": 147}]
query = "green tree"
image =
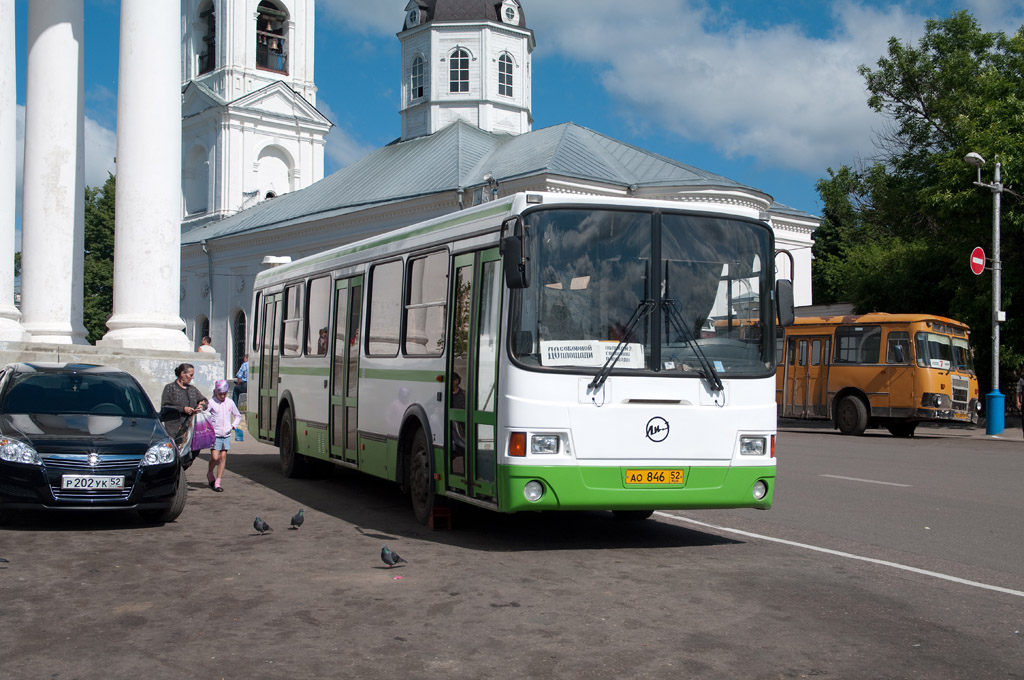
[
  {"x": 98, "y": 294},
  {"x": 896, "y": 234}
]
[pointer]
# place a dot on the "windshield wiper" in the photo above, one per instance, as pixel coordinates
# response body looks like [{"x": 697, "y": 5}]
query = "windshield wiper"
[
  {"x": 643, "y": 309},
  {"x": 708, "y": 371}
]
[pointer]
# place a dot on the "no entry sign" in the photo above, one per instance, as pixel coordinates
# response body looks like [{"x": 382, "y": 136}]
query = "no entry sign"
[{"x": 978, "y": 260}]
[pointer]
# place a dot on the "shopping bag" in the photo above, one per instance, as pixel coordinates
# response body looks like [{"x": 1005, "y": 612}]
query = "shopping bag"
[{"x": 203, "y": 436}]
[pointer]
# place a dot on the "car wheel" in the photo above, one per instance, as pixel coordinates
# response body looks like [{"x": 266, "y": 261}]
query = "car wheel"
[
  {"x": 293, "y": 464},
  {"x": 852, "y": 416},
  {"x": 632, "y": 515},
  {"x": 177, "y": 505},
  {"x": 421, "y": 480}
]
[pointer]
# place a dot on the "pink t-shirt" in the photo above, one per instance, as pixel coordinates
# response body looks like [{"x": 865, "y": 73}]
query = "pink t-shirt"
[{"x": 224, "y": 414}]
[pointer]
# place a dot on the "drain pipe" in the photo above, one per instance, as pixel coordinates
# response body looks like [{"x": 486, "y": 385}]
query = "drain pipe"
[{"x": 209, "y": 274}]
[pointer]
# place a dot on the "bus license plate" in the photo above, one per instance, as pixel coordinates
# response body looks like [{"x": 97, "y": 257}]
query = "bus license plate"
[
  {"x": 654, "y": 476},
  {"x": 92, "y": 482}
]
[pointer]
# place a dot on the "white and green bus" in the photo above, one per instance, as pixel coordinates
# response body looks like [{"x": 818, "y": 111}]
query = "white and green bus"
[{"x": 539, "y": 352}]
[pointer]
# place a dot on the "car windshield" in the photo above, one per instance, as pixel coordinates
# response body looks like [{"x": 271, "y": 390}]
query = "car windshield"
[
  {"x": 108, "y": 394},
  {"x": 701, "y": 308}
]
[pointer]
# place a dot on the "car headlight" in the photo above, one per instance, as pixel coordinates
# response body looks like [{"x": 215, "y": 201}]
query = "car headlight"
[
  {"x": 161, "y": 453},
  {"x": 14, "y": 451}
]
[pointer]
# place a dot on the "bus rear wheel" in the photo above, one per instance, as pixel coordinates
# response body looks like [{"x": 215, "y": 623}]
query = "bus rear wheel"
[
  {"x": 421, "y": 479},
  {"x": 902, "y": 430},
  {"x": 852, "y": 416}
]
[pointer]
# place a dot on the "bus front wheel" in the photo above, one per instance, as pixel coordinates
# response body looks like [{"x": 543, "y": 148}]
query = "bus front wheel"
[
  {"x": 852, "y": 416},
  {"x": 421, "y": 480},
  {"x": 292, "y": 463}
]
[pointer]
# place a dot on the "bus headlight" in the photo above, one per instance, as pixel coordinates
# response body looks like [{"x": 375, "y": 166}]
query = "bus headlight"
[
  {"x": 544, "y": 443},
  {"x": 533, "y": 491},
  {"x": 753, "y": 446},
  {"x": 760, "y": 490}
]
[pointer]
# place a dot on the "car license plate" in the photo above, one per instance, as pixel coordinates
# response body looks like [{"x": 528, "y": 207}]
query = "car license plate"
[
  {"x": 92, "y": 482},
  {"x": 654, "y": 476}
]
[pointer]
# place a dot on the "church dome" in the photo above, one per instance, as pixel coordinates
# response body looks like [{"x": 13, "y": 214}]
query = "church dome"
[{"x": 508, "y": 12}]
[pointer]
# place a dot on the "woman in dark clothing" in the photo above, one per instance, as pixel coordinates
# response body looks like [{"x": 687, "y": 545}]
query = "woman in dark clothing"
[{"x": 185, "y": 398}]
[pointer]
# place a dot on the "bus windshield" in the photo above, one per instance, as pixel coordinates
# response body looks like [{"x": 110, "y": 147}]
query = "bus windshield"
[
  {"x": 704, "y": 304},
  {"x": 963, "y": 356},
  {"x": 934, "y": 350}
]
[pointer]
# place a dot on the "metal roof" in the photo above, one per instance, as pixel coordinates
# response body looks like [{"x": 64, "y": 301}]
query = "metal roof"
[{"x": 459, "y": 156}]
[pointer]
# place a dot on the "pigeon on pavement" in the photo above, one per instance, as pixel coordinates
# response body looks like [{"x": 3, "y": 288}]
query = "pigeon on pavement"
[
  {"x": 297, "y": 520},
  {"x": 390, "y": 557},
  {"x": 261, "y": 526}
]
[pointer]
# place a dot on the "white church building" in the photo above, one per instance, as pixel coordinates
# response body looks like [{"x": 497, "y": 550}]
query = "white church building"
[{"x": 252, "y": 148}]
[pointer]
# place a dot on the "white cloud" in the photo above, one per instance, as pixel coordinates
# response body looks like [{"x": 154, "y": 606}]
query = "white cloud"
[
  {"x": 340, "y": 146},
  {"x": 787, "y": 99},
  {"x": 100, "y": 150}
]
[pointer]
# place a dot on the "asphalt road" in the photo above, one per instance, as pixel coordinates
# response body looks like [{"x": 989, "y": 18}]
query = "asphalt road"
[{"x": 575, "y": 595}]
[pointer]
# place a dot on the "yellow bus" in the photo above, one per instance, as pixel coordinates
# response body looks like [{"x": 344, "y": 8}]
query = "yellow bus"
[{"x": 877, "y": 370}]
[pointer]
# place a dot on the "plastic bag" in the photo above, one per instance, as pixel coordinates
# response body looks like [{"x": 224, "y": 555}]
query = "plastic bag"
[{"x": 203, "y": 436}]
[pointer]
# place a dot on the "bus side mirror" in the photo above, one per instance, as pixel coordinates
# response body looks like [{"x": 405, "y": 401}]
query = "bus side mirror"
[
  {"x": 513, "y": 251},
  {"x": 784, "y": 302}
]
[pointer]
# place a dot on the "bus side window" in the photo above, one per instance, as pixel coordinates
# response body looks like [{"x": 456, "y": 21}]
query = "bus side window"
[
  {"x": 803, "y": 352},
  {"x": 858, "y": 344},
  {"x": 385, "y": 313},
  {"x": 815, "y": 352},
  {"x": 292, "y": 321},
  {"x": 791, "y": 350},
  {"x": 898, "y": 348},
  {"x": 318, "y": 313}
]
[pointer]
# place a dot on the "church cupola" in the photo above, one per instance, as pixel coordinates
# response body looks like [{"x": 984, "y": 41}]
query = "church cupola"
[{"x": 466, "y": 60}]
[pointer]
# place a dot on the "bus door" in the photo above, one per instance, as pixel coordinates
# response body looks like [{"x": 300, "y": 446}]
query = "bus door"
[
  {"x": 899, "y": 374},
  {"x": 470, "y": 456},
  {"x": 348, "y": 296},
  {"x": 806, "y": 376},
  {"x": 270, "y": 364}
]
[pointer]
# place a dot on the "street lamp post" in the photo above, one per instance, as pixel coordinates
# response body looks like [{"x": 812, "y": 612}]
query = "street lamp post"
[{"x": 994, "y": 400}]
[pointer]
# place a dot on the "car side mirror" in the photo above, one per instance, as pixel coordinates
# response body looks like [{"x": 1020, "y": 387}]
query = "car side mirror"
[
  {"x": 784, "y": 302},
  {"x": 169, "y": 413}
]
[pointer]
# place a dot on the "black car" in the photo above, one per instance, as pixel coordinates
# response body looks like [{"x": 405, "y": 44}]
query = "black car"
[{"x": 84, "y": 437}]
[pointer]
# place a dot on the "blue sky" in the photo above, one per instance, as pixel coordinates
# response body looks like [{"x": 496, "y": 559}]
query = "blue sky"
[{"x": 765, "y": 93}]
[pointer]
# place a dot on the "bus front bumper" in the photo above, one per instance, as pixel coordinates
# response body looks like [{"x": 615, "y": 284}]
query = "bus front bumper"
[{"x": 606, "y": 488}]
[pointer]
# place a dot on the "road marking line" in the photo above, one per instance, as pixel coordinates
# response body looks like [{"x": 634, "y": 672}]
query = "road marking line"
[
  {"x": 869, "y": 481},
  {"x": 851, "y": 556}
]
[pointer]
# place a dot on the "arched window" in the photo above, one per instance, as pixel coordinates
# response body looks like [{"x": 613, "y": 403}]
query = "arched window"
[
  {"x": 505, "y": 75},
  {"x": 271, "y": 52},
  {"x": 196, "y": 179},
  {"x": 202, "y": 328},
  {"x": 458, "y": 71},
  {"x": 208, "y": 47},
  {"x": 416, "y": 78},
  {"x": 237, "y": 340}
]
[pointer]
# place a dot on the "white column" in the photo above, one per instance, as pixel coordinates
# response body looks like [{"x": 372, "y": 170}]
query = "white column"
[
  {"x": 53, "y": 200},
  {"x": 10, "y": 318},
  {"x": 147, "y": 237}
]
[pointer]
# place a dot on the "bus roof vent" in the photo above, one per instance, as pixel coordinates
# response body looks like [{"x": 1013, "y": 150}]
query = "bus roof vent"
[{"x": 276, "y": 260}]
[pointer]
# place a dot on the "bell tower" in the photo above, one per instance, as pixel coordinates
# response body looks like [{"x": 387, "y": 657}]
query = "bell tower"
[
  {"x": 250, "y": 127},
  {"x": 466, "y": 60}
]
